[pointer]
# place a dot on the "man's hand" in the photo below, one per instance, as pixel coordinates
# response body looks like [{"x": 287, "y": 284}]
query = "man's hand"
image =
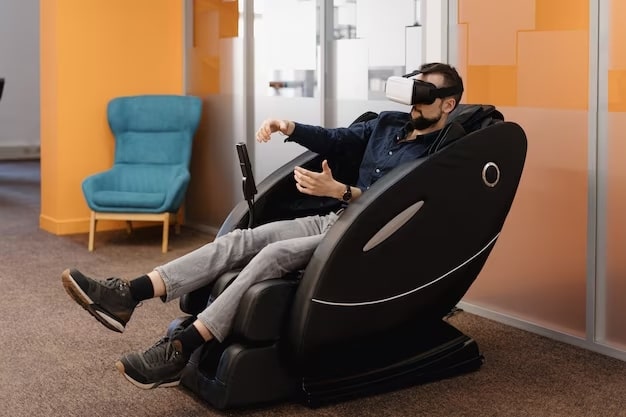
[
  {"x": 321, "y": 184},
  {"x": 270, "y": 126}
]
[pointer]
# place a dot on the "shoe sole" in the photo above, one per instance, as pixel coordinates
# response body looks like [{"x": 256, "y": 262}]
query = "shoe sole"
[
  {"x": 120, "y": 367},
  {"x": 78, "y": 295}
]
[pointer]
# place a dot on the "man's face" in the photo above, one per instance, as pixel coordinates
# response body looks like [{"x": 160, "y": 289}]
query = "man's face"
[{"x": 430, "y": 117}]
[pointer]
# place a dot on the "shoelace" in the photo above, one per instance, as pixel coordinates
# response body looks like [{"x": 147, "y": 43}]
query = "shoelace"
[
  {"x": 115, "y": 283},
  {"x": 157, "y": 353}
]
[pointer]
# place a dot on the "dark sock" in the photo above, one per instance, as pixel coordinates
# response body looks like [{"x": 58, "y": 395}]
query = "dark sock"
[
  {"x": 190, "y": 338},
  {"x": 141, "y": 288}
]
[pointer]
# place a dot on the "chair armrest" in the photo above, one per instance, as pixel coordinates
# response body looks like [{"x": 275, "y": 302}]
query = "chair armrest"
[
  {"x": 262, "y": 310},
  {"x": 176, "y": 189},
  {"x": 95, "y": 182}
]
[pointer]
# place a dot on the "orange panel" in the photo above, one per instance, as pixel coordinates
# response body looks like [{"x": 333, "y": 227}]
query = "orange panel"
[
  {"x": 562, "y": 14},
  {"x": 617, "y": 58},
  {"x": 617, "y": 91},
  {"x": 205, "y": 60},
  {"x": 492, "y": 85},
  {"x": 553, "y": 69},
  {"x": 617, "y": 54},
  {"x": 229, "y": 19},
  {"x": 493, "y": 27}
]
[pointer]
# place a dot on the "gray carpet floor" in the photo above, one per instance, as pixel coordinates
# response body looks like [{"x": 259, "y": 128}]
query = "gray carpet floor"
[{"x": 55, "y": 360}]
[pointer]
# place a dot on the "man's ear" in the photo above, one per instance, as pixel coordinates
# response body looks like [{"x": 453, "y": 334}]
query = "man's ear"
[{"x": 448, "y": 105}]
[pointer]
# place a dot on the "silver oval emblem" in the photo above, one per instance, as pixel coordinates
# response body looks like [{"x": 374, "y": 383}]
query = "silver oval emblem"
[{"x": 491, "y": 174}]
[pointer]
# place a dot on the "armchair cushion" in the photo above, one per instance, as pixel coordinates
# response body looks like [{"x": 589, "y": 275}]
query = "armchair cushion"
[
  {"x": 137, "y": 188},
  {"x": 125, "y": 199}
]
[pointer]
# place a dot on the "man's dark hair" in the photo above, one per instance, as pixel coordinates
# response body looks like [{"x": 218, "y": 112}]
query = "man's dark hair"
[{"x": 451, "y": 77}]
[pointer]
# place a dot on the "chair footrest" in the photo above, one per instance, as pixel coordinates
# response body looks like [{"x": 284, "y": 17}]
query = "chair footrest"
[{"x": 239, "y": 376}]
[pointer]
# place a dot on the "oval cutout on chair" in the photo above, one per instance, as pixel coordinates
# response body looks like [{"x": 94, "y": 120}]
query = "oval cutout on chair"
[{"x": 393, "y": 225}]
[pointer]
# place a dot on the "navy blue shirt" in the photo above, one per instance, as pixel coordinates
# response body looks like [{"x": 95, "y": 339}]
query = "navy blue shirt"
[{"x": 374, "y": 143}]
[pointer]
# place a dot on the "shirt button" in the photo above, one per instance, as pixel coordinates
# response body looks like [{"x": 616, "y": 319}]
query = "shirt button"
[
  {"x": 377, "y": 171},
  {"x": 390, "y": 152}
]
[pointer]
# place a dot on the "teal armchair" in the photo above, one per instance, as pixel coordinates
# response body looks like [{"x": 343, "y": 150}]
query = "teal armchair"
[{"x": 149, "y": 178}]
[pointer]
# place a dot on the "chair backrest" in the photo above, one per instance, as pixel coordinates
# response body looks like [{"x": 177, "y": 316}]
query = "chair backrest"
[
  {"x": 465, "y": 119},
  {"x": 154, "y": 129}
]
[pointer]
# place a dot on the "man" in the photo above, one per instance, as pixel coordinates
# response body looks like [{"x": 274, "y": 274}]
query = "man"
[{"x": 270, "y": 250}]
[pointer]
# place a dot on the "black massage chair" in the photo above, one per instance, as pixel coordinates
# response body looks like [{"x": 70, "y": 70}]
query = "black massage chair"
[{"x": 368, "y": 314}]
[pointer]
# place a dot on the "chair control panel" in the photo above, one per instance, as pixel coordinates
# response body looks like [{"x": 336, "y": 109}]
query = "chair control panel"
[{"x": 248, "y": 183}]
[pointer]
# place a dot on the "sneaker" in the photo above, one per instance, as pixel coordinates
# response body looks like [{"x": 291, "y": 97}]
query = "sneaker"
[
  {"x": 108, "y": 301},
  {"x": 161, "y": 365}
]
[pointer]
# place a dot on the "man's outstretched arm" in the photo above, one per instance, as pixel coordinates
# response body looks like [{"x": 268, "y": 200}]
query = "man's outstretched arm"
[{"x": 321, "y": 184}]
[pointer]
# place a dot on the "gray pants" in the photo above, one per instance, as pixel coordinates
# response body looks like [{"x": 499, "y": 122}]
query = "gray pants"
[{"x": 265, "y": 252}]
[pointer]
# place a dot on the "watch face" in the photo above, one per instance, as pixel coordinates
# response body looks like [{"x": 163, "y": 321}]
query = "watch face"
[{"x": 347, "y": 195}]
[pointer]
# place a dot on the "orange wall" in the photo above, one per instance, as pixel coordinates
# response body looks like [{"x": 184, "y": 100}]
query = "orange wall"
[{"x": 92, "y": 51}]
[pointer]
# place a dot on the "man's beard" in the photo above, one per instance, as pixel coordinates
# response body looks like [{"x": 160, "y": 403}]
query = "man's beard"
[{"x": 421, "y": 123}]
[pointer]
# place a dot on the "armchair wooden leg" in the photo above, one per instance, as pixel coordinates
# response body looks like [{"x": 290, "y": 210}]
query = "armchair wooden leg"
[
  {"x": 179, "y": 220},
  {"x": 166, "y": 231},
  {"x": 180, "y": 217},
  {"x": 92, "y": 231}
]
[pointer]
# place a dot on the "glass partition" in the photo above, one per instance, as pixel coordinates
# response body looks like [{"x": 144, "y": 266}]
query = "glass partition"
[
  {"x": 532, "y": 63},
  {"x": 365, "y": 50},
  {"x": 214, "y": 72},
  {"x": 613, "y": 297},
  {"x": 286, "y": 74},
  {"x": 323, "y": 62}
]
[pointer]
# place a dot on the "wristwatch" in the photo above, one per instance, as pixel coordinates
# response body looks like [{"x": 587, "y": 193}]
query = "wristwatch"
[{"x": 347, "y": 195}]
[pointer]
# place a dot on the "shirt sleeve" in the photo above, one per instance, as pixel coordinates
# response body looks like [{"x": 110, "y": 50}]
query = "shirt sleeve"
[{"x": 337, "y": 142}]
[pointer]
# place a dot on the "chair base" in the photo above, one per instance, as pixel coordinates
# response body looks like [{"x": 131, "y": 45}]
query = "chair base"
[
  {"x": 436, "y": 352},
  {"x": 238, "y": 376},
  {"x": 164, "y": 218}
]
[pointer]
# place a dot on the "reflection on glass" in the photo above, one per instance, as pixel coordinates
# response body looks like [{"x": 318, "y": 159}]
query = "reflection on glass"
[
  {"x": 290, "y": 37},
  {"x": 369, "y": 49},
  {"x": 292, "y": 83},
  {"x": 378, "y": 79}
]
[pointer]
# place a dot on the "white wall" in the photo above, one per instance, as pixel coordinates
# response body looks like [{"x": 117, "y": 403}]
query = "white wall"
[{"x": 19, "y": 65}]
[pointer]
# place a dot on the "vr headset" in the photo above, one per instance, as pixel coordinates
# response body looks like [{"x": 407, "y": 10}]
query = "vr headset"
[{"x": 407, "y": 90}]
